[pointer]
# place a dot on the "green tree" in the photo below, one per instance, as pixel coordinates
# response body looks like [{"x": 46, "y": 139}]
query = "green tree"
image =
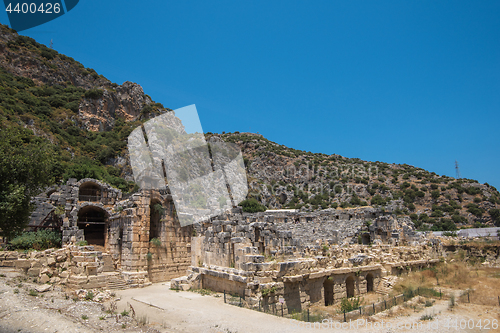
[
  {"x": 435, "y": 194},
  {"x": 26, "y": 166},
  {"x": 495, "y": 215},
  {"x": 252, "y": 206}
]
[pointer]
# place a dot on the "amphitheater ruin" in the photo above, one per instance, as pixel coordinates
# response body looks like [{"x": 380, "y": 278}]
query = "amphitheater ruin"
[{"x": 294, "y": 258}]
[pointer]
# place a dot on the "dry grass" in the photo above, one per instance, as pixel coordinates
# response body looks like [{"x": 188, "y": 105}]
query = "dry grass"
[{"x": 480, "y": 283}]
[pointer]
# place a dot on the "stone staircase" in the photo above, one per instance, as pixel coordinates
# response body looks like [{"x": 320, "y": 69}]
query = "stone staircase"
[
  {"x": 115, "y": 282},
  {"x": 383, "y": 290},
  {"x": 385, "y": 285}
]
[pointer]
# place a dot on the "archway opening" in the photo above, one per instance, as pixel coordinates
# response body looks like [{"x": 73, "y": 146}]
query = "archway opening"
[
  {"x": 49, "y": 193},
  {"x": 369, "y": 282},
  {"x": 258, "y": 243},
  {"x": 328, "y": 291},
  {"x": 156, "y": 211},
  {"x": 349, "y": 286},
  {"x": 89, "y": 191},
  {"x": 365, "y": 239},
  {"x": 120, "y": 243},
  {"x": 283, "y": 198},
  {"x": 93, "y": 222}
]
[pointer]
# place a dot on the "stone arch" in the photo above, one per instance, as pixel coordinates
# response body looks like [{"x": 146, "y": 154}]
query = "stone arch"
[
  {"x": 365, "y": 239},
  {"x": 328, "y": 291},
  {"x": 50, "y": 192},
  {"x": 93, "y": 221},
  {"x": 89, "y": 191},
  {"x": 283, "y": 197},
  {"x": 156, "y": 210},
  {"x": 369, "y": 282},
  {"x": 349, "y": 286}
]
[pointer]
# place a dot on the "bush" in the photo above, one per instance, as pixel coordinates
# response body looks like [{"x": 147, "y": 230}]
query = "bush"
[
  {"x": 155, "y": 241},
  {"x": 40, "y": 240},
  {"x": 252, "y": 206},
  {"x": 94, "y": 93},
  {"x": 475, "y": 210},
  {"x": 377, "y": 200},
  {"x": 495, "y": 215},
  {"x": 349, "y": 304},
  {"x": 89, "y": 296}
]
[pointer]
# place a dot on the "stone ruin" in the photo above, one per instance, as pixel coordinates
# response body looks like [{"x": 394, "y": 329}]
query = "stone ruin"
[
  {"x": 298, "y": 259},
  {"x": 294, "y": 258},
  {"x": 139, "y": 237}
]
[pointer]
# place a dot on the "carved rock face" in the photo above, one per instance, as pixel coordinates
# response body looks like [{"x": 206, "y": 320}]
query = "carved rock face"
[{"x": 126, "y": 102}]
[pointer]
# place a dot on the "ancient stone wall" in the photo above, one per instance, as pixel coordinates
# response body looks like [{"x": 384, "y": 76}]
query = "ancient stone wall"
[{"x": 125, "y": 229}]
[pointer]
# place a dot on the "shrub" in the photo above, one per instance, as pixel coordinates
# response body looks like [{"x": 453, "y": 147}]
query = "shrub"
[
  {"x": 355, "y": 200},
  {"x": 349, "y": 304},
  {"x": 89, "y": 296},
  {"x": 81, "y": 243},
  {"x": 94, "y": 93},
  {"x": 155, "y": 241},
  {"x": 495, "y": 215},
  {"x": 427, "y": 317},
  {"x": 252, "y": 206},
  {"x": 475, "y": 210},
  {"x": 377, "y": 200},
  {"x": 40, "y": 240},
  {"x": 47, "y": 54},
  {"x": 452, "y": 301},
  {"x": 435, "y": 194}
]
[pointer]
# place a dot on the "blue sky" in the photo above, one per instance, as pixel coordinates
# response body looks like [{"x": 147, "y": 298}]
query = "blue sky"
[{"x": 414, "y": 82}]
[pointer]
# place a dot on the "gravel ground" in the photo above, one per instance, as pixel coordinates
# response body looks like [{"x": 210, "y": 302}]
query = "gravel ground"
[
  {"x": 55, "y": 310},
  {"x": 158, "y": 309}
]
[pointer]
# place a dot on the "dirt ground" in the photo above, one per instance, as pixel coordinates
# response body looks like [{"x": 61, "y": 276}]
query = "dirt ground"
[{"x": 158, "y": 309}]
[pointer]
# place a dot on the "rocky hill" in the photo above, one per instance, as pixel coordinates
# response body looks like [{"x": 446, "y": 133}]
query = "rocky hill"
[
  {"x": 281, "y": 177},
  {"x": 87, "y": 119}
]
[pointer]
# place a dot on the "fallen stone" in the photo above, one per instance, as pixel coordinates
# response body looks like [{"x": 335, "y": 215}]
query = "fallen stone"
[{"x": 43, "y": 288}]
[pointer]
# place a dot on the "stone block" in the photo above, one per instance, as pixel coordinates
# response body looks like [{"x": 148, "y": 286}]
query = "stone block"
[
  {"x": 23, "y": 264},
  {"x": 43, "y": 288},
  {"x": 91, "y": 270},
  {"x": 78, "y": 259},
  {"x": 51, "y": 261},
  {"x": 44, "y": 278}
]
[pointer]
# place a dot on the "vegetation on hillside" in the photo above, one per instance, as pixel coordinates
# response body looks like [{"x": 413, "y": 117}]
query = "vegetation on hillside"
[
  {"x": 299, "y": 179},
  {"x": 27, "y": 163},
  {"x": 49, "y": 111},
  {"x": 41, "y": 126}
]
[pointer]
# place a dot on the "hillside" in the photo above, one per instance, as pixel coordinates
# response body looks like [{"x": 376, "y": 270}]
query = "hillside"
[{"x": 49, "y": 98}]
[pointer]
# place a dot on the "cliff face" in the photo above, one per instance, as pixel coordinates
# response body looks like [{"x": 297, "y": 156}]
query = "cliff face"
[
  {"x": 282, "y": 177},
  {"x": 125, "y": 101},
  {"x": 22, "y": 56}
]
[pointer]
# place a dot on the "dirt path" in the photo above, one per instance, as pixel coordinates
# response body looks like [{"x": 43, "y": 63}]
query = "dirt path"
[
  {"x": 159, "y": 309},
  {"x": 191, "y": 312}
]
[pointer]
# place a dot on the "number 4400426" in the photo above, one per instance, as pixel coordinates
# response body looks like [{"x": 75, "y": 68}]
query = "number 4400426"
[{"x": 25, "y": 8}]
